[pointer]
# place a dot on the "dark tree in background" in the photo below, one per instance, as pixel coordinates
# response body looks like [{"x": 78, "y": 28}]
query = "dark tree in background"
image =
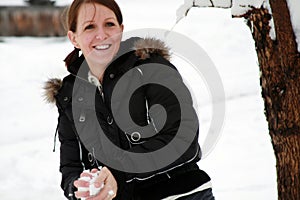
[
  {"x": 40, "y": 2},
  {"x": 279, "y": 63},
  {"x": 38, "y": 18}
]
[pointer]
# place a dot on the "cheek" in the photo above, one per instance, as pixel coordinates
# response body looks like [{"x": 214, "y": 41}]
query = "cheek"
[
  {"x": 117, "y": 36},
  {"x": 85, "y": 41},
  {"x": 88, "y": 39},
  {"x": 116, "y": 39}
]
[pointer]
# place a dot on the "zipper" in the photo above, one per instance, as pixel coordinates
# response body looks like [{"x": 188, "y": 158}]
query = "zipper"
[
  {"x": 94, "y": 80},
  {"x": 80, "y": 152},
  {"x": 100, "y": 88},
  {"x": 128, "y": 140},
  {"x": 55, "y": 135}
]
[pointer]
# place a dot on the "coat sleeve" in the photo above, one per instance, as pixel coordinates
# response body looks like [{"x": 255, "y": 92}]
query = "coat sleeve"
[{"x": 70, "y": 151}]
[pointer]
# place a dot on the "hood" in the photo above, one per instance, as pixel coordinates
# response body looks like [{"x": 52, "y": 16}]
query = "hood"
[{"x": 143, "y": 49}]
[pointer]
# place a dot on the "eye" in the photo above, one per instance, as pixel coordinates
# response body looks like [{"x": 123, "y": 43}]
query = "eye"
[
  {"x": 90, "y": 26},
  {"x": 110, "y": 24}
]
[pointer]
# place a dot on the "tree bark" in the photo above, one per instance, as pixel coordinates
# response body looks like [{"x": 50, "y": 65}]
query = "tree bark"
[{"x": 280, "y": 82}]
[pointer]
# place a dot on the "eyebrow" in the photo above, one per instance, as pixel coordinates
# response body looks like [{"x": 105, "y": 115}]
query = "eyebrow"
[
  {"x": 89, "y": 21},
  {"x": 110, "y": 18}
]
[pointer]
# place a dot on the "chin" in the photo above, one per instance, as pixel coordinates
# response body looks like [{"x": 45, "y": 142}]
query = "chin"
[{"x": 101, "y": 58}]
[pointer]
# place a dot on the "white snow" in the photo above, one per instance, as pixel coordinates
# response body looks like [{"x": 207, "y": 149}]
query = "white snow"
[
  {"x": 242, "y": 165},
  {"x": 181, "y": 12},
  {"x": 188, "y": 4},
  {"x": 272, "y": 32},
  {"x": 294, "y": 7},
  {"x": 213, "y": 3},
  {"x": 240, "y": 7},
  {"x": 203, "y": 3}
]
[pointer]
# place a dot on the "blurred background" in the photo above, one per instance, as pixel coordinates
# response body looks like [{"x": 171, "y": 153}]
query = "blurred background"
[{"x": 32, "y": 48}]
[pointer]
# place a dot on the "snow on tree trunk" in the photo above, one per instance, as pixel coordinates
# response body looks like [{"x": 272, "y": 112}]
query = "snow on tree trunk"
[
  {"x": 294, "y": 7},
  {"x": 280, "y": 81}
]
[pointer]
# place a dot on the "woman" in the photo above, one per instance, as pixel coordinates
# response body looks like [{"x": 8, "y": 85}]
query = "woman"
[{"x": 95, "y": 29}]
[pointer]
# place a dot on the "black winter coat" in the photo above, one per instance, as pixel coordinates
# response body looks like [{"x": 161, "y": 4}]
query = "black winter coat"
[{"x": 180, "y": 176}]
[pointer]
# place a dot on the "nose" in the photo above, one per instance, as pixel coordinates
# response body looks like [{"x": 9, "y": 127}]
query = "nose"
[{"x": 101, "y": 34}]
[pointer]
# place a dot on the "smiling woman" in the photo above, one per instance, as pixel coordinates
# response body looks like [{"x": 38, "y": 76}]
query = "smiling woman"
[
  {"x": 98, "y": 35},
  {"x": 88, "y": 93}
]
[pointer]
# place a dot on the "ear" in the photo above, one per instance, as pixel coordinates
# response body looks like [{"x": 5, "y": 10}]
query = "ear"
[
  {"x": 122, "y": 27},
  {"x": 72, "y": 38}
]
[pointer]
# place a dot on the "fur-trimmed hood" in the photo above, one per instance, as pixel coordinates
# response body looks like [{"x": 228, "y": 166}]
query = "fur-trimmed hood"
[{"x": 143, "y": 49}]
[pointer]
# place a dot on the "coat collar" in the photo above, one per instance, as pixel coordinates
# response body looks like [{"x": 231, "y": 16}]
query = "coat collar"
[{"x": 142, "y": 48}]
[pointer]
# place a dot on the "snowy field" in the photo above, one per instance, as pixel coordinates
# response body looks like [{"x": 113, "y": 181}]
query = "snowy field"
[{"x": 242, "y": 165}]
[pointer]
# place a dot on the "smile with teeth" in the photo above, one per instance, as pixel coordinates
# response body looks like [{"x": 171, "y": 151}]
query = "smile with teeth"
[{"x": 102, "y": 47}]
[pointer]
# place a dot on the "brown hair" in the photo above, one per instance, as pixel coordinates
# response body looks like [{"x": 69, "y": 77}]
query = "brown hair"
[{"x": 72, "y": 15}]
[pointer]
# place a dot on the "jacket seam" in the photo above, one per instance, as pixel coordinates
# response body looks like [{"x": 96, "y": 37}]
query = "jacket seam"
[{"x": 165, "y": 171}]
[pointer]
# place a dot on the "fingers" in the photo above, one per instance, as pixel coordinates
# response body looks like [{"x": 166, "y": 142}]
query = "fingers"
[
  {"x": 103, "y": 175},
  {"x": 82, "y": 184},
  {"x": 104, "y": 180},
  {"x": 106, "y": 193},
  {"x": 109, "y": 180},
  {"x": 110, "y": 187},
  {"x": 95, "y": 170},
  {"x": 82, "y": 194},
  {"x": 86, "y": 173},
  {"x": 83, "y": 189}
]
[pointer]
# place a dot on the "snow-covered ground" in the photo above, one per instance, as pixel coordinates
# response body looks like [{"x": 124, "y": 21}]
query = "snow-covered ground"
[{"x": 242, "y": 165}]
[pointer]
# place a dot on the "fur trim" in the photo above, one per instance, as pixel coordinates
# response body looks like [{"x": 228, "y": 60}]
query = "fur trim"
[
  {"x": 144, "y": 47},
  {"x": 51, "y": 88}
]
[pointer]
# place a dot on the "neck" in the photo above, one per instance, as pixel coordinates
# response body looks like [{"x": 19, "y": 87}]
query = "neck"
[{"x": 97, "y": 70}]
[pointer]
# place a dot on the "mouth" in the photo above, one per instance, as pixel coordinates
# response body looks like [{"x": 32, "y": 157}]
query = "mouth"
[{"x": 102, "y": 47}]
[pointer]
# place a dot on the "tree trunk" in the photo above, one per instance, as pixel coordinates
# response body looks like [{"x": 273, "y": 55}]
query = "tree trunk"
[{"x": 280, "y": 81}]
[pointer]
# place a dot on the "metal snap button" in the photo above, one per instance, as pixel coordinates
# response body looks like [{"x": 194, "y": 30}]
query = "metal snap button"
[
  {"x": 81, "y": 118},
  {"x": 90, "y": 157},
  {"x": 93, "y": 81},
  {"x": 80, "y": 99},
  {"x": 110, "y": 120},
  {"x": 112, "y": 76},
  {"x": 135, "y": 136}
]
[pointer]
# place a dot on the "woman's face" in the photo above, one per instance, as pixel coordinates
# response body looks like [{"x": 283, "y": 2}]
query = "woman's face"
[{"x": 98, "y": 33}]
